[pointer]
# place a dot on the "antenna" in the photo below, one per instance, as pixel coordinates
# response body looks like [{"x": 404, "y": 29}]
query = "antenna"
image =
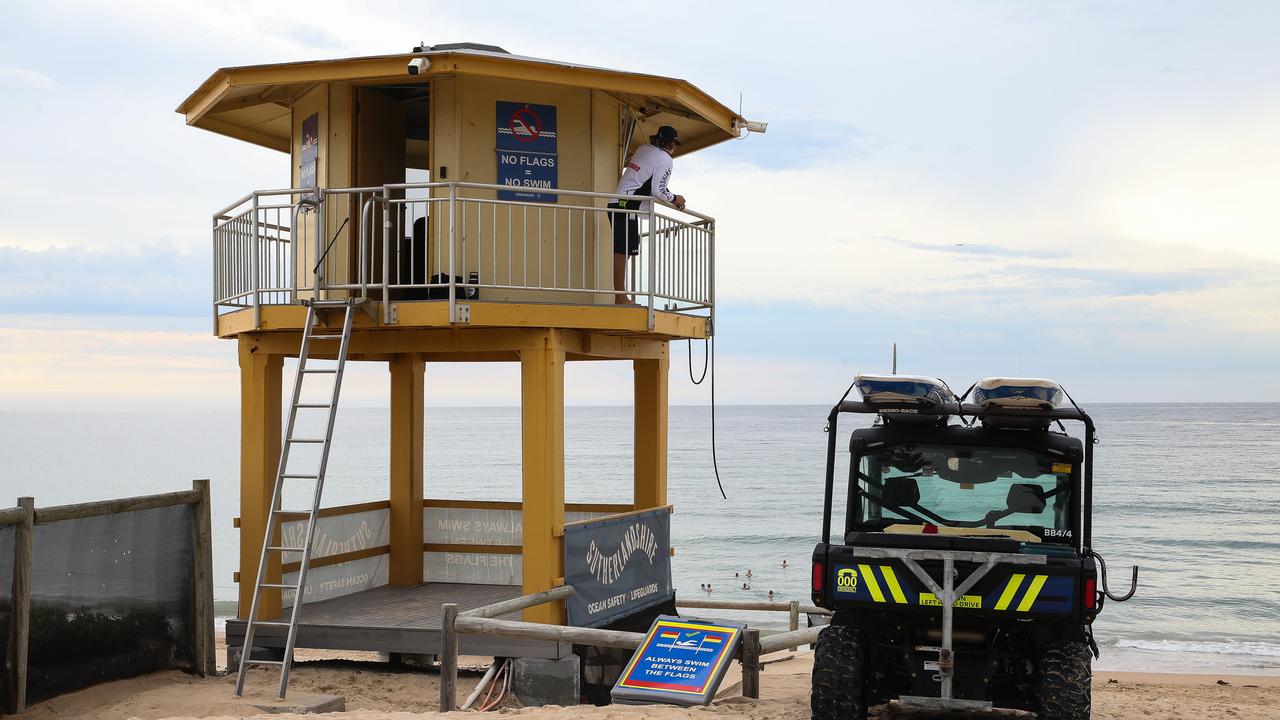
[{"x": 895, "y": 358}]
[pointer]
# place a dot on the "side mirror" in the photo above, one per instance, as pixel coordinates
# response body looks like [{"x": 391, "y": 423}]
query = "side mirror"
[
  {"x": 900, "y": 491},
  {"x": 1025, "y": 498}
]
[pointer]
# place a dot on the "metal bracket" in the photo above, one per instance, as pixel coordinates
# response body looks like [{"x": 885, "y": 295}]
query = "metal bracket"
[
  {"x": 463, "y": 314},
  {"x": 945, "y": 703},
  {"x": 393, "y": 316},
  {"x": 947, "y": 594}
]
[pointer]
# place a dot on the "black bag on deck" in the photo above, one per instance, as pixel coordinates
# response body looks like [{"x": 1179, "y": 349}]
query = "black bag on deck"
[
  {"x": 462, "y": 291},
  {"x": 413, "y": 264}
]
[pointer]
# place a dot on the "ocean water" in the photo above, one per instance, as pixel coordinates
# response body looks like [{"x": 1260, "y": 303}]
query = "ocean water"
[{"x": 1191, "y": 493}]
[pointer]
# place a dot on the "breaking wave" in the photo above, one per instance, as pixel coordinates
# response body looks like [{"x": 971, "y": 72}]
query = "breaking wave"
[{"x": 1211, "y": 647}]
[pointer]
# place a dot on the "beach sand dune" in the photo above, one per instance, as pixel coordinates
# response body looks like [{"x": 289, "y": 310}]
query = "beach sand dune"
[{"x": 378, "y": 692}]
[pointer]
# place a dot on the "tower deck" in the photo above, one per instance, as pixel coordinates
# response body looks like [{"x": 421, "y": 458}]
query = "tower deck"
[
  {"x": 399, "y": 620},
  {"x": 416, "y": 320}
]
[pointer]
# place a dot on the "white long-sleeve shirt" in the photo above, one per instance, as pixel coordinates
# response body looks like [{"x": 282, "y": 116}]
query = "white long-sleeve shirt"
[{"x": 647, "y": 173}]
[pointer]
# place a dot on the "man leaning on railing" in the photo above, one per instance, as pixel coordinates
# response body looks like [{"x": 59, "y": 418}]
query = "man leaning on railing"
[{"x": 646, "y": 173}]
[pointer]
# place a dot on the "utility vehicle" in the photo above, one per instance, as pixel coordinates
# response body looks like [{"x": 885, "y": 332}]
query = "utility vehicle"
[{"x": 963, "y": 577}]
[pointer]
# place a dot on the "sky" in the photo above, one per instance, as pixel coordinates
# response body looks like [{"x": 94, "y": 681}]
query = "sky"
[{"x": 1077, "y": 190}]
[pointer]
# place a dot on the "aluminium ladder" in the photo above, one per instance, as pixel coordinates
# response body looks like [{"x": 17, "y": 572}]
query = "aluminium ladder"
[{"x": 275, "y": 515}]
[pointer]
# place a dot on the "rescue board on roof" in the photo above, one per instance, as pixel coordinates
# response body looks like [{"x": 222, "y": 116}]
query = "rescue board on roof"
[
  {"x": 527, "y": 154},
  {"x": 1038, "y": 393}
]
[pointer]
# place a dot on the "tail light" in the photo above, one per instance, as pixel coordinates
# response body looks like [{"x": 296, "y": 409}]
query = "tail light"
[
  {"x": 817, "y": 577},
  {"x": 1090, "y": 594}
]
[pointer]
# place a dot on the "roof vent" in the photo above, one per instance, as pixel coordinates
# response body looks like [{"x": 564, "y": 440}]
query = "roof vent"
[{"x": 460, "y": 46}]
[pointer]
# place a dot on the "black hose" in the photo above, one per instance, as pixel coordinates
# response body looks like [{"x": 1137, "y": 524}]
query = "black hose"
[
  {"x": 706, "y": 357},
  {"x": 714, "y": 464},
  {"x": 709, "y": 365}
]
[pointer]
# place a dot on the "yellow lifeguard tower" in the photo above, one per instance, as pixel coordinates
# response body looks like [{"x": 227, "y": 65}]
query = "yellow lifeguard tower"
[{"x": 451, "y": 204}]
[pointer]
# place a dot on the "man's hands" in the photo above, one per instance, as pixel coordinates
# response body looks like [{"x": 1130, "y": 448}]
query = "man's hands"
[{"x": 679, "y": 202}]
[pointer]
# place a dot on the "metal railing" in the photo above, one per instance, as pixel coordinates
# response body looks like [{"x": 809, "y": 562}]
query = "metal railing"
[
  {"x": 456, "y": 242},
  {"x": 487, "y": 619},
  {"x": 256, "y": 249}
]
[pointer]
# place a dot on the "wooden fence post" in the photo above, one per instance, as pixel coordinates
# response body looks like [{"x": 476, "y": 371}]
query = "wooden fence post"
[
  {"x": 751, "y": 663},
  {"x": 20, "y": 619},
  {"x": 203, "y": 648},
  {"x": 795, "y": 621},
  {"x": 448, "y": 659}
]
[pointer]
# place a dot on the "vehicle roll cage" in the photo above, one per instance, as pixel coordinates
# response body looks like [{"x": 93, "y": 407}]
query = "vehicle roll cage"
[{"x": 1018, "y": 417}]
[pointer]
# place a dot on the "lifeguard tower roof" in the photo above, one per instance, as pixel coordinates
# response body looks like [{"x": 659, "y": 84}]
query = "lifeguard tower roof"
[{"x": 252, "y": 102}]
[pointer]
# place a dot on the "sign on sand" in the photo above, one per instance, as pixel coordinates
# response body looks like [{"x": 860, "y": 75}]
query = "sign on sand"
[{"x": 681, "y": 662}]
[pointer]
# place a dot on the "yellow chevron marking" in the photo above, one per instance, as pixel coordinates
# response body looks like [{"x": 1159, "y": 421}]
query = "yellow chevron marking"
[
  {"x": 1032, "y": 593},
  {"x": 1010, "y": 591},
  {"x": 891, "y": 580},
  {"x": 872, "y": 586}
]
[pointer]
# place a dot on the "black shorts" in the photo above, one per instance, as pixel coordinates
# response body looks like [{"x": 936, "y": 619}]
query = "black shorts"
[{"x": 626, "y": 231}]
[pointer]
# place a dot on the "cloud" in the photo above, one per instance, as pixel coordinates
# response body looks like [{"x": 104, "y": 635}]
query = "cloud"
[
  {"x": 26, "y": 78},
  {"x": 1112, "y": 215},
  {"x": 964, "y": 249},
  {"x": 1096, "y": 282},
  {"x": 1206, "y": 179},
  {"x": 74, "y": 366},
  {"x": 796, "y": 142},
  {"x": 155, "y": 279},
  {"x": 830, "y": 235}
]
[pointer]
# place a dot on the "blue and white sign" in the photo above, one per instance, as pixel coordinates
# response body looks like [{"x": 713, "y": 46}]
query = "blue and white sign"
[
  {"x": 526, "y": 174},
  {"x": 681, "y": 662},
  {"x": 527, "y": 151},
  {"x": 526, "y": 127}
]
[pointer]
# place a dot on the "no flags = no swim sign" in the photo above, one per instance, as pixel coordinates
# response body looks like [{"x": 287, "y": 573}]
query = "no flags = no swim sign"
[{"x": 680, "y": 662}]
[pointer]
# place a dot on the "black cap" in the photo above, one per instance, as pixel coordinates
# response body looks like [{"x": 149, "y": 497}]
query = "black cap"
[{"x": 667, "y": 135}]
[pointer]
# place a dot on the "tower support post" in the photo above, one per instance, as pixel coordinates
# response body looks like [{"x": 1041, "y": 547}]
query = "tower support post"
[
  {"x": 542, "y": 428},
  {"x": 260, "y": 399},
  {"x": 650, "y": 433},
  {"x": 408, "y": 381}
]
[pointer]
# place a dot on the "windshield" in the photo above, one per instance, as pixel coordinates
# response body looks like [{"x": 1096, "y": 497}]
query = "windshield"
[{"x": 1013, "y": 492}]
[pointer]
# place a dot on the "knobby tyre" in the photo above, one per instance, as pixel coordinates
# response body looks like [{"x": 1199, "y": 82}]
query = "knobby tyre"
[
  {"x": 838, "y": 676},
  {"x": 1066, "y": 679}
]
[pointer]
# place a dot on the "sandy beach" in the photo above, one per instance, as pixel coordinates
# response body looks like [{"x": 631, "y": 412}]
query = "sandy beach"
[{"x": 377, "y": 691}]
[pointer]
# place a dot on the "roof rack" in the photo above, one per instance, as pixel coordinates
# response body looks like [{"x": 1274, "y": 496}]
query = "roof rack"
[{"x": 965, "y": 410}]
